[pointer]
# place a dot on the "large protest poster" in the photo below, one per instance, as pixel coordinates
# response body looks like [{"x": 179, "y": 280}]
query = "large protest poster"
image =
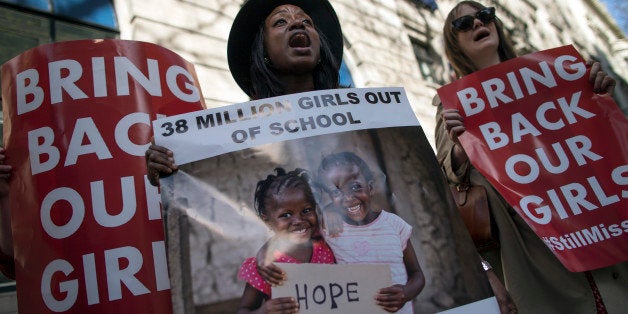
[
  {"x": 222, "y": 153},
  {"x": 87, "y": 227},
  {"x": 555, "y": 150}
]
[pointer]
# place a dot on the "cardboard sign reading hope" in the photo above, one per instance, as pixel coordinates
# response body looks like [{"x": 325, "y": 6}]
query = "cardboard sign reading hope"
[{"x": 322, "y": 288}]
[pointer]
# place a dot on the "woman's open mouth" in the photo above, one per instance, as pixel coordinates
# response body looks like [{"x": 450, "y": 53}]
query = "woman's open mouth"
[
  {"x": 299, "y": 40},
  {"x": 481, "y": 35}
]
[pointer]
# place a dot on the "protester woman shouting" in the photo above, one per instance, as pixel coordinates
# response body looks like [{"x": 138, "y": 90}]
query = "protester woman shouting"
[{"x": 275, "y": 52}]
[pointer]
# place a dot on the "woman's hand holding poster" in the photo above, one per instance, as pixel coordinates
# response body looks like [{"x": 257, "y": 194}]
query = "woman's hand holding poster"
[{"x": 555, "y": 150}]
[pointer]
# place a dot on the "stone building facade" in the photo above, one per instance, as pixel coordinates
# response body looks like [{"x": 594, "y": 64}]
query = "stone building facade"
[{"x": 387, "y": 43}]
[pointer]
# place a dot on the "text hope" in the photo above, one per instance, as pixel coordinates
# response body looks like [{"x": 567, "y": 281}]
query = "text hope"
[{"x": 314, "y": 296}]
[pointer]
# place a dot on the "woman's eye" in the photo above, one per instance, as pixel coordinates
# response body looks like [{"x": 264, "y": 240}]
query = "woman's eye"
[
  {"x": 356, "y": 187},
  {"x": 285, "y": 215},
  {"x": 279, "y": 22},
  {"x": 307, "y": 210},
  {"x": 307, "y": 22}
]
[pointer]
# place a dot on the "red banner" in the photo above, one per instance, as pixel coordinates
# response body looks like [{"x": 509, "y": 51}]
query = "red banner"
[
  {"x": 87, "y": 226},
  {"x": 555, "y": 150}
]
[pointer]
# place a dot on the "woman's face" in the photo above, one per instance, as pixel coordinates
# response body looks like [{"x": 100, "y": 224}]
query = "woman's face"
[
  {"x": 291, "y": 215},
  {"x": 291, "y": 42},
  {"x": 481, "y": 40}
]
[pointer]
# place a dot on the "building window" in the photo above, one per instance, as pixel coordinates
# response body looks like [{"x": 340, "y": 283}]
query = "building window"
[
  {"x": 429, "y": 63},
  {"x": 95, "y": 12},
  {"x": 26, "y": 24},
  {"x": 29, "y": 23}
]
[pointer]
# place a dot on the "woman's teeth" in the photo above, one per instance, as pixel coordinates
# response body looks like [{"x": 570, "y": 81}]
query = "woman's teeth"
[
  {"x": 304, "y": 230},
  {"x": 353, "y": 209}
]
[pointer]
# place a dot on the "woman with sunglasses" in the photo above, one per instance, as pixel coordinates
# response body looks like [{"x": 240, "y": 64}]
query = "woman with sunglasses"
[{"x": 536, "y": 280}]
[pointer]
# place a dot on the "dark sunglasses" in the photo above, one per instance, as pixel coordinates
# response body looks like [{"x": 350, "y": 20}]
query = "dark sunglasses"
[{"x": 465, "y": 23}]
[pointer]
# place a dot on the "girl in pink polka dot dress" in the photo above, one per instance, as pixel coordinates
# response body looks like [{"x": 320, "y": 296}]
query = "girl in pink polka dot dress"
[{"x": 286, "y": 204}]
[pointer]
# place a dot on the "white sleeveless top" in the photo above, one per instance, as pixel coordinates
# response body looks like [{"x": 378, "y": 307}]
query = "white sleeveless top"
[{"x": 380, "y": 242}]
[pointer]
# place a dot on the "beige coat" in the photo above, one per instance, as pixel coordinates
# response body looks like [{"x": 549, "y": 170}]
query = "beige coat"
[{"x": 535, "y": 278}]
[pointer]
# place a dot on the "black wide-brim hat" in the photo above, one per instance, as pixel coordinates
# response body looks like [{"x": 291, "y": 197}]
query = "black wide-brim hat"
[{"x": 254, "y": 12}]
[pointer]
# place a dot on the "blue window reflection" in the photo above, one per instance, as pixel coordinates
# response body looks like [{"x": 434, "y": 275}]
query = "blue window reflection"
[
  {"x": 345, "y": 76},
  {"x": 99, "y": 12},
  {"x": 95, "y": 11},
  {"x": 43, "y": 5}
]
